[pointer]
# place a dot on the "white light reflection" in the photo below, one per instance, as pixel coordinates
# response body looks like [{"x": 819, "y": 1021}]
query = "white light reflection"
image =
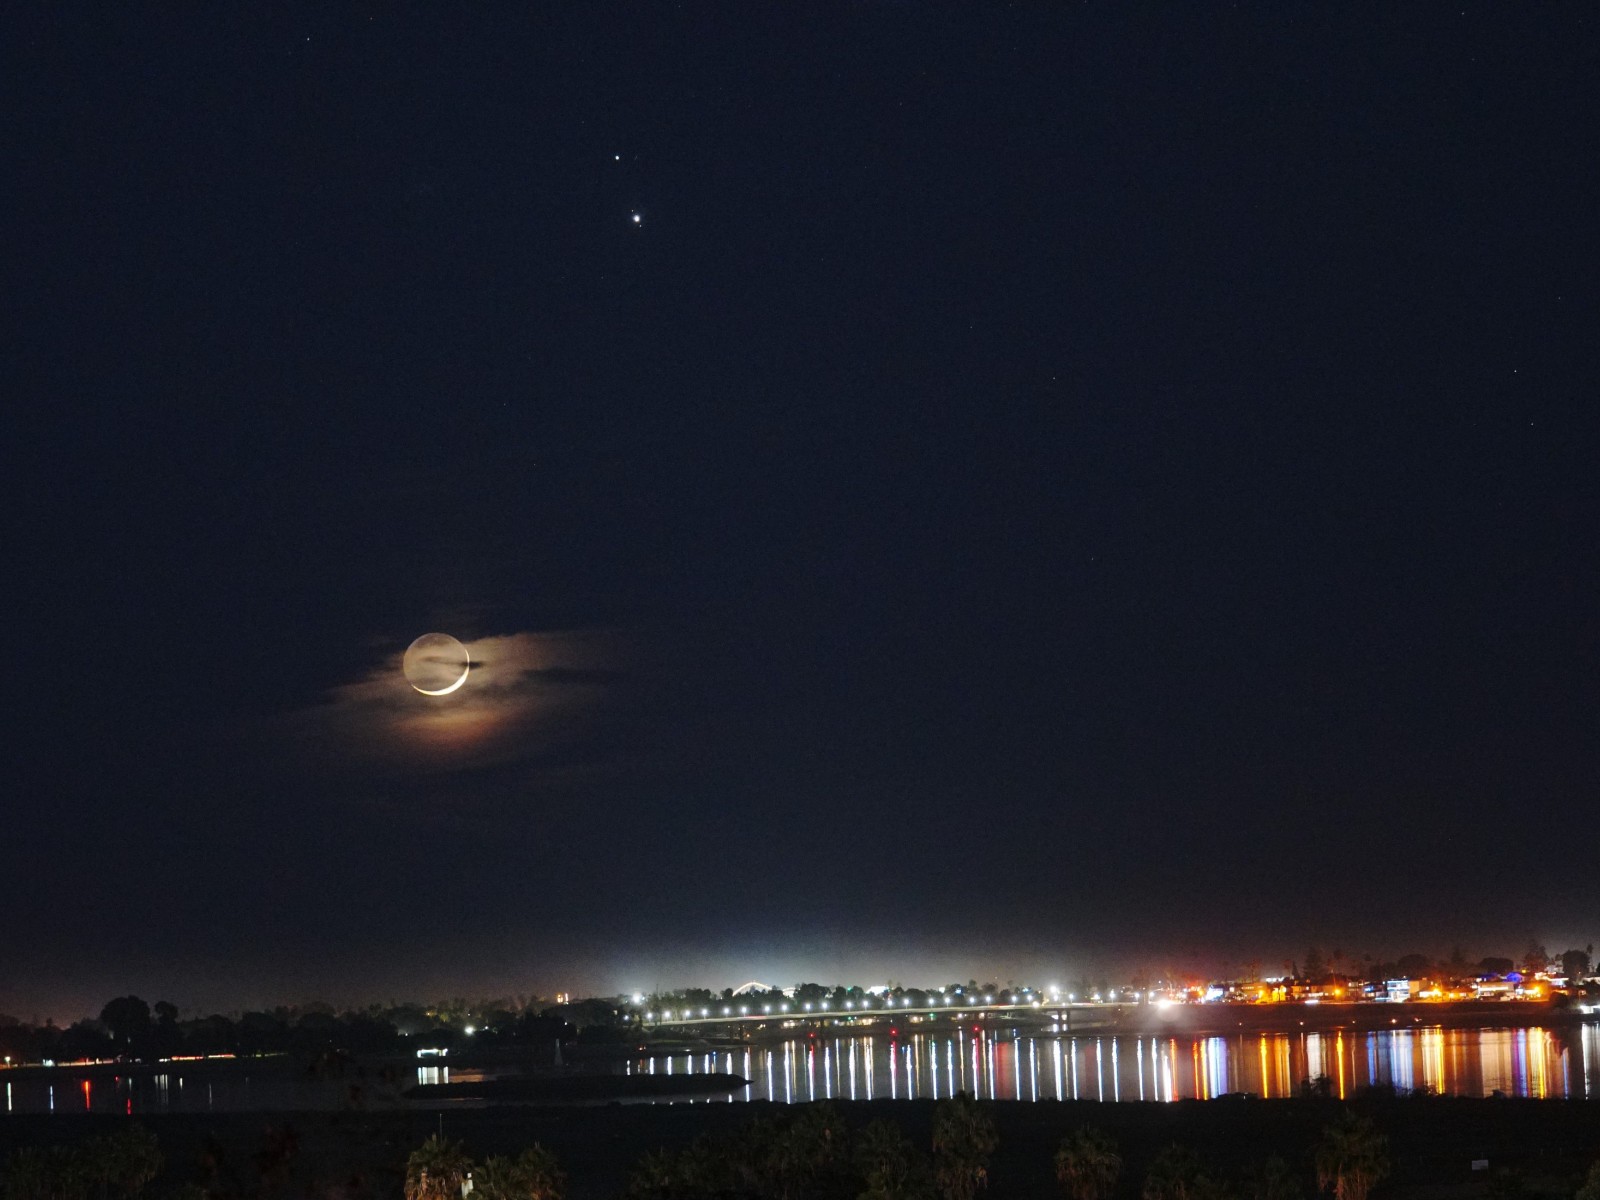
[{"x": 1586, "y": 1043}]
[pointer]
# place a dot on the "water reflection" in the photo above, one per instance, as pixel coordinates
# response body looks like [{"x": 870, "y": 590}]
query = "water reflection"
[
  {"x": 1015, "y": 1065},
  {"x": 990, "y": 1062}
]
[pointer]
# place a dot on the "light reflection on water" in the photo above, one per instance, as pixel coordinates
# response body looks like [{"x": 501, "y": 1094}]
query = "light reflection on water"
[
  {"x": 991, "y": 1063},
  {"x": 1016, "y": 1065}
]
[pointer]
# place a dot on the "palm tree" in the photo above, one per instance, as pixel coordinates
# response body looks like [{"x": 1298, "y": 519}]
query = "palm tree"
[
  {"x": 436, "y": 1170},
  {"x": 125, "y": 1161},
  {"x": 799, "y": 1152},
  {"x": 656, "y": 1174},
  {"x": 963, "y": 1140},
  {"x": 1591, "y": 1184},
  {"x": 1174, "y": 1175},
  {"x": 1351, "y": 1157},
  {"x": 497, "y": 1178},
  {"x": 1087, "y": 1164},
  {"x": 541, "y": 1175},
  {"x": 532, "y": 1175},
  {"x": 890, "y": 1165},
  {"x": 1271, "y": 1179}
]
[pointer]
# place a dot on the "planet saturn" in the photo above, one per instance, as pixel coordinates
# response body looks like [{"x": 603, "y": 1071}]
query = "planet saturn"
[{"x": 436, "y": 664}]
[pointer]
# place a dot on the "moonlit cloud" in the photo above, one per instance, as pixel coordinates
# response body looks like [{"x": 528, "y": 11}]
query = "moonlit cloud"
[{"x": 528, "y": 695}]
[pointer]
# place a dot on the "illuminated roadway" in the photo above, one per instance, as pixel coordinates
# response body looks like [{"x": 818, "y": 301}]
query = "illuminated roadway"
[{"x": 733, "y": 1014}]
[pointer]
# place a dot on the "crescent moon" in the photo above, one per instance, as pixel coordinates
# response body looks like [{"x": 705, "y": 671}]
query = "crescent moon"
[
  {"x": 465, "y": 671},
  {"x": 427, "y": 664}
]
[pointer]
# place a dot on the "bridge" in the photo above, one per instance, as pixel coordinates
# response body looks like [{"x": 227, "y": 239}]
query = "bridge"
[{"x": 869, "y": 1009}]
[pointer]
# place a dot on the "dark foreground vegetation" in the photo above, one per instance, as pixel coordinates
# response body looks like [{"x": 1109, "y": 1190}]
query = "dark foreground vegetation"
[{"x": 1407, "y": 1148}]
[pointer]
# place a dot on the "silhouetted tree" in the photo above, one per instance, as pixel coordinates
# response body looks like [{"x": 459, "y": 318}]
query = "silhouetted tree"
[
  {"x": 1174, "y": 1175},
  {"x": 436, "y": 1170},
  {"x": 532, "y": 1175},
  {"x": 1351, "y": 1157},
  {"x": 963, "y": 1140},
  {"x": 85, "y": 1039},
  {"x": 1271, "y": 1179},
  {"x": 127, "y": 1018},
  {"x": 1087, "y": 1164},
  {"x": 1413, "y": 966},
  {"x": 46, "y": 1173},
  {"x": 1591, "y": 1184},
  {"x": 890, "y": 1165},
  {"x": 124, "y": 1162},
  {"x": 1575, "y": 966}
]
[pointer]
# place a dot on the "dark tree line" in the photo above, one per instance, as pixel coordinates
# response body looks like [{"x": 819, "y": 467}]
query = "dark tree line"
[{"x": 130, "y": 1028}]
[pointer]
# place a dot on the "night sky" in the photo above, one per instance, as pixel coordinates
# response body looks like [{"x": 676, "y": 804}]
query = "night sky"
[{"x": 929, "y": 491}]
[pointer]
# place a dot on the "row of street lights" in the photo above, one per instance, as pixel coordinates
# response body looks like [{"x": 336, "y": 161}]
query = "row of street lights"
[{"x": 888, "y": 1003}]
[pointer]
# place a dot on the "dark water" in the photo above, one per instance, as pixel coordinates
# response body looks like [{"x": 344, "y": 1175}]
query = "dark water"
[{"x": 999, "y": 1064}]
